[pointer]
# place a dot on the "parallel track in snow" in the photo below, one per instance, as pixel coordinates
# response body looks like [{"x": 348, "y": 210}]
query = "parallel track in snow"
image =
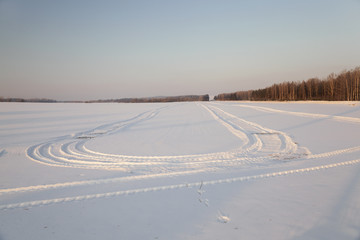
[
  {"x": 174, "y": 186},
  {"x": 302, "y": 114},
  {"x": 257, "y": 146}
]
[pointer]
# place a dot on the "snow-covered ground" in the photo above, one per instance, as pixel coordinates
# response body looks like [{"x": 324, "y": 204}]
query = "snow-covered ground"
[{"x": 205, "y": 170}]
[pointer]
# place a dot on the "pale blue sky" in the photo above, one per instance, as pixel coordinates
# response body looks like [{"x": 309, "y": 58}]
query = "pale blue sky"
[{"x": 82, "y": 49}]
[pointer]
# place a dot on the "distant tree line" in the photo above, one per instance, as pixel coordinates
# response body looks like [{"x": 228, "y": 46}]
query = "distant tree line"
[
  {"x": 43, "y": 100},
  {"x": 186, "y": 98},
  {"x": 344, "y": 86}
]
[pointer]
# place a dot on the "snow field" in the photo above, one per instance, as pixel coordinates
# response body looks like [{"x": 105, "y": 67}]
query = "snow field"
[{"x": 153, "y": 152}]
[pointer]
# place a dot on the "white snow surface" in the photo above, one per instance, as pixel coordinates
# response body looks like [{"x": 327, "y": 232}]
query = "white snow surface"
[{"x": 197, "y": 170}]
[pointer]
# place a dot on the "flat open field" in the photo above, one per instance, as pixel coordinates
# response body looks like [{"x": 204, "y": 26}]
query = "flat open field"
[{"x": 193, "y": 170}]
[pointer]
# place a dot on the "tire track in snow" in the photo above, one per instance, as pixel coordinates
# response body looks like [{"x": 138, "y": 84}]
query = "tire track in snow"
[
  {"x": 44, "y": 187},
  {"x": 44, "y": 153},
  {"x": 302, "y": 114},
  {"x": 175, "y": 186},
  {"x": 333, "y": 153},
  {"x": 253, "y": 140},
  {"x": 258, "y": 146},
  {"x": 264, "y": 136},
  {"x": 312, "y": 115}
]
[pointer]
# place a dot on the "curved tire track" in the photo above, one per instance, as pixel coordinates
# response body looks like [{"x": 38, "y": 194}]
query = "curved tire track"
[{"x": 256, "y": 145}]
